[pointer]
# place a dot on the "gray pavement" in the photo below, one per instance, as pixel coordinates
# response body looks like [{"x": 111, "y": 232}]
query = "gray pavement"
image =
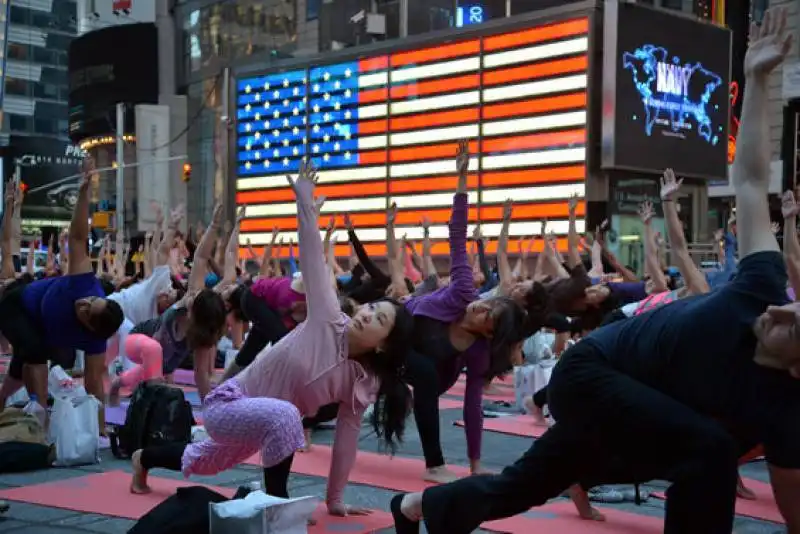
[{"x": 499, "y": 450}]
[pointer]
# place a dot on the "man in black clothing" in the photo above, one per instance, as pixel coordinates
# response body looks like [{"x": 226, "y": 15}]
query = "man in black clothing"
[{"x": 678, "y": 393}]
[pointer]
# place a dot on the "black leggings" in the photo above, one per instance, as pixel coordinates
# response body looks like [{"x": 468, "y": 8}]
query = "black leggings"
[
  {"x": 276, "y": 478},
  {"x": 598, "y": 409},
  {"x": 267, "y": 327},
  {"x": 429, "y": 382},
  {"x": 21, "y": 331},
  {"x": 540, "y": 398}
]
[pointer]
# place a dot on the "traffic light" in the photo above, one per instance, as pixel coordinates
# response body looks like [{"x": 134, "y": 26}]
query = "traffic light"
[
  {"x": 187, "y": 172},
  {"x": 23, "y": 187}
]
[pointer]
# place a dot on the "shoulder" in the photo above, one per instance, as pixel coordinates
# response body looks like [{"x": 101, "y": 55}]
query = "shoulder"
[{"x": 762, "y": 276}]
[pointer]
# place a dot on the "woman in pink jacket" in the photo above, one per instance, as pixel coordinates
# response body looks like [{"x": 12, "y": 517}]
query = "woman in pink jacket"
[{"x": 329, "y": 358}]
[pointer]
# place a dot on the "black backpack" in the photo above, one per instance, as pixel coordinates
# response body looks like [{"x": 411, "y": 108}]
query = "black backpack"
[{"x": 157, "y": 415}]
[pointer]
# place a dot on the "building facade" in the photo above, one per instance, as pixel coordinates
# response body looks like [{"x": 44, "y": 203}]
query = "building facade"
[{"x": 36, "y": 82}]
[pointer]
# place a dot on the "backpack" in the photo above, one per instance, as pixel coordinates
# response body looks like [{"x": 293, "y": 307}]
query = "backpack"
[
  {"x": 157, "y": 415},
  {"x": 185, "y": 512}
]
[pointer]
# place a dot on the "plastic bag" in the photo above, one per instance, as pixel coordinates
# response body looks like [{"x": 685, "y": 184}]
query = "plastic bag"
[
  {"x": 60, "y": 383},
  {"x": 75, "y": 430},
  {"x": 259, "y": 513}
]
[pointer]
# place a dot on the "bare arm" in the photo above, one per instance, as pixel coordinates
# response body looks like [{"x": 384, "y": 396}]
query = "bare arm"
[
  {"x": 786, "y": 488},
  {"x": 231, "y": 252},
  {"x": 504, "y": 271},
  {"x": 266, "y": 259},
  {"x": 393, "y": 252},
  {"x": 78, "y": 256},
  {"x": 791, "y": 247},
  {"x": 651, "y": 249},
  {"x": 750, "y": 172},
  {"x": 7, "y": 267},
  {"x": 197, "y": 276},
  {"x": 573, "y": 254},
  {"x": 428, "y": 267}
]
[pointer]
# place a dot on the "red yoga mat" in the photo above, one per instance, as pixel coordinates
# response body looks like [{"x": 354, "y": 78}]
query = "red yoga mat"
[
  {"x": 371, "y": 469},
  {"x": 764, "y": 507},
  {"x": 108, "y": 494},
  {"x": 515, "y": 425},
  {"x": 460, "y": 387},
  {"x": 562, "y": 517}
]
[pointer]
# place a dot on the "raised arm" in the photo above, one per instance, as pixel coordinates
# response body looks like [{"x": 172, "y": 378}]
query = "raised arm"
[
  {"x": 504, "y": 271},
  {"x": 197, "y": 276},
  {"x": 695, "y": 280},
  {"x": 79, "y": 261},
  {"x": 7, "y": 266},
  {"x": 750, "y": 171},
  {"x": 231, "y": 253},
  {"x": 461, "y": 290},
  {"x": 573, "y": 254},
  {"x": 378, "y": 276},
  {"x": 651, "y": 264},
  {"x": 323, "y": 304},
  {"x": 791, "y": 247}
]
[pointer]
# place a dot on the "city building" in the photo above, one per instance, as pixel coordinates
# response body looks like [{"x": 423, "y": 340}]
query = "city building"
[{"x": 36, "y": 81}]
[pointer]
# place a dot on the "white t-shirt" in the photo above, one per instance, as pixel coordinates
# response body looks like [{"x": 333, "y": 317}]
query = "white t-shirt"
[{"x": 140, "y": 301}]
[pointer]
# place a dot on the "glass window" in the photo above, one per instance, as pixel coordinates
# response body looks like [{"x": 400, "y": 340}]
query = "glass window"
[
  {"x": 19, "y": 123},
  {"x": 759, "y": 8},
  {"x": 18, "y": 51},
  {"x": 672, "y": 4},
  {"x": 46, "y": 126},
  {"x": 19, "y": 15},
  {"x": 18, "y": 87},
  {"x": 44, "y": 55}
]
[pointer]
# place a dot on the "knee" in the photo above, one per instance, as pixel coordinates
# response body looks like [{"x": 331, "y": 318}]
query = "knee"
[{"x": 717, "y": 450}]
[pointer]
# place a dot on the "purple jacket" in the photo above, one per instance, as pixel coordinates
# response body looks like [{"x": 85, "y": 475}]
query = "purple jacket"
[{"x": 448, "y": 304}]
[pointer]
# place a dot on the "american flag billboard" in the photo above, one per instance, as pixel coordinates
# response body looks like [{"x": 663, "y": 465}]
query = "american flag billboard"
[{"x": 384, "y": 129}]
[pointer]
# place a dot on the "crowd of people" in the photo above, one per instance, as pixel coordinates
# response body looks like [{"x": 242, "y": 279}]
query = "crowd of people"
[{"x": 677, "y": 375}]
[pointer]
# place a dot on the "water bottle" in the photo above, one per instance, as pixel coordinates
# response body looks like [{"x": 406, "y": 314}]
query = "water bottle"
[{"x": 35, "y": 409}]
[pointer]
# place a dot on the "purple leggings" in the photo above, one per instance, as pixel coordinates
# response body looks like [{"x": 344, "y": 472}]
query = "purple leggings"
[{"x": 239, "y": 426}]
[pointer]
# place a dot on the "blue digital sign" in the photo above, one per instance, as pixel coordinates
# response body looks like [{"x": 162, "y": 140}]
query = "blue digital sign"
[{"x": 466, "y": 15}]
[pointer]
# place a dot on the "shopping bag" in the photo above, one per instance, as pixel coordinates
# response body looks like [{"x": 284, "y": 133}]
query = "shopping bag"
[
  {"x": 529, "y": 379},
  {"x": 259, "y": 513},
  {"x": 59, "y": 383},
  {"x": 75, "y": 430}
]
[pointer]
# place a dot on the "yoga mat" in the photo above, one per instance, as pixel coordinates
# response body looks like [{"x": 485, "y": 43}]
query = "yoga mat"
[
  {"x": 515, "y": 425},
  {"x": 109, "y": 494},
  {"x": 460, "y": 387},
  {"x": 186, "y": 376},
  {"x": 371, "y": 469},
  {"x": 562, "y": 517},
  {"x": 764, "y": 507},
  {"x": 450, "y": 404}
]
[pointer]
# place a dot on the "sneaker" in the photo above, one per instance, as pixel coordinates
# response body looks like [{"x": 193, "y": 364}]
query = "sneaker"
[{"x": 606, "y": 495}]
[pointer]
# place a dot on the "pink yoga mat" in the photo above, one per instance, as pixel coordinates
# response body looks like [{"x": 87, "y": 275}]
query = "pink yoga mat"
[
  {"x": 459, "y": 388},
  {"x": 186, "y": 376},
  {"x": 561, "y": 517},
  {"x": 371, "y": 469},
  {"x": 764, "y": 507},
  {"x": 108, "y": 494},
  {"x": 450, "y": 404},
  {"x": 515, "y": 425}
]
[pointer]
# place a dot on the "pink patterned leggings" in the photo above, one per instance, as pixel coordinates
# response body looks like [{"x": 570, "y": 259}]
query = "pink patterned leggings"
[
  {"x": 146, "y": 352},
  {"x": 238, "y": 427}
]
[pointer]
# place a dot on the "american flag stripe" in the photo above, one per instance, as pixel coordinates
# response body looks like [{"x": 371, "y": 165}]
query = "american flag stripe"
[{"x": 384, "y": 129}]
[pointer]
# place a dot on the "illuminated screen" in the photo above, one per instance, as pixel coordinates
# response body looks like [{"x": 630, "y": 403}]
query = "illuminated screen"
[
  {"x": 671, "y": 94},
  {"x": 385, "y": 129}
]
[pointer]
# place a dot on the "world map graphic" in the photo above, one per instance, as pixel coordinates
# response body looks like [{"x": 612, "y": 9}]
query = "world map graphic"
[{"x": 676, "y": 96}]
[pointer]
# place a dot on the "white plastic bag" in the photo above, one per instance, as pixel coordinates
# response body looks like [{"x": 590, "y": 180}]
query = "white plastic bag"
[
  {"x": 259, "y": 513},
  {"x": 528, "y": 379},
  {"x": 60, "y": 383},
  {"x": 75, "y": 430}
]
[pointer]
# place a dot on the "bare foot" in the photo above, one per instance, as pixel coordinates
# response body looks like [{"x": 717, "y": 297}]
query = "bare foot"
[
  {"x": 743, "y": 492},
  {"x": 311, "y": 521},
  {"x": 536, "y": 412},
  {"x": 139, "y": 482},
  {"x": 113, "y": 392},
  {"x": 584, "y": 507},
  {"x": 307, "y": 438},
  {"x": 440, "y": 475},
  {"x": 411, "y": 506},
  {"x": 491, "y": 389}
]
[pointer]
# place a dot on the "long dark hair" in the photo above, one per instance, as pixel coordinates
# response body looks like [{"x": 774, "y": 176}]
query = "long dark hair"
[
  {"x": 393, "y": 404},
  {"x": 509, "y": 329},
  {"x": 537, "y": 303},
  {"x": 207, "y": 320}
]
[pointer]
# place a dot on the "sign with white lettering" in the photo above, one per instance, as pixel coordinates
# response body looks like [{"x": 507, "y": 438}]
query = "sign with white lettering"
[
  {"x": 467, "y": 15},
  {"x": 666, "y": 97}
]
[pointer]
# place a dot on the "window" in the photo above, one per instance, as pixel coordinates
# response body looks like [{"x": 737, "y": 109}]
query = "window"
[
  {"x": 19, "y": 123},
  {"x": 44, "y": 55},
  {"x": 46, "y": 126},
  {"x": 18, "y": 87},
  {"x": 18, "y": 51},
  {"x": 672, "y": 4}
]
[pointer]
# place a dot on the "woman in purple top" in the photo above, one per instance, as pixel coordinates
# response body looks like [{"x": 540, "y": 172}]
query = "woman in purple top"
[
  {"x": 67, "y": 312},
  {"x": 452, "y": 328}
]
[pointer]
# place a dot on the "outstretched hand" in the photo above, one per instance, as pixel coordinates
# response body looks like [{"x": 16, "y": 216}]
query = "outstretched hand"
[
  {"x": 646, "y": 211},
  {"x": 670, "y": 185},
  {"x": 789, "y": 206},
  {"x": 769, "y": 43},
  {"x": 343, "y": 510},
  {"x": 462, "y": 157}
]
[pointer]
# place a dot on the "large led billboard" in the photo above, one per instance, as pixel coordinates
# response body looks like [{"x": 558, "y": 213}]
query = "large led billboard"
[
  {"x": 384, "y": 128},
  {"x": 666, "y": 97}
]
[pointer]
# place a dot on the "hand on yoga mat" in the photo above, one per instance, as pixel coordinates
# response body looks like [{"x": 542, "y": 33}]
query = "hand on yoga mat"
[{"x": 343, "y": 510}]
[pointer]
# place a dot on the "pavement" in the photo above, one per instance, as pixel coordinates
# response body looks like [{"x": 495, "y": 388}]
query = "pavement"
[{"x": 499, "y": 450}]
